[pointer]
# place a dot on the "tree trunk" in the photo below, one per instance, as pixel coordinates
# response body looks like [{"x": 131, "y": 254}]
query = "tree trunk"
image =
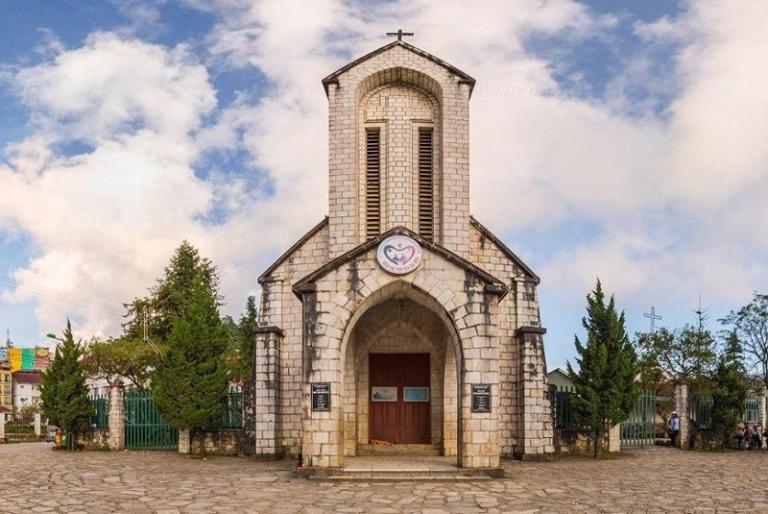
[
  {"x": 201, "y": 435},
  {"x": 598, "y": 443}
]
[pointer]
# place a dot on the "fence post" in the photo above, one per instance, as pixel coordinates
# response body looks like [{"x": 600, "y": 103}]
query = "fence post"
[
  {"x": 682, "y": 408},
  {"x": 614, "y": 439},
  {"x": 761, "y": 416},
  {"x": 185, "y": 442},
  {"x": 2, "y": 426},
  {"x": 116, "y": 418},
  {"x": 37, "y": 424}
]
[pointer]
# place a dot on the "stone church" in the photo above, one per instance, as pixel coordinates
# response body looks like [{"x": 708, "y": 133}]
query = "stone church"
[{"x": 400, "y": 319}]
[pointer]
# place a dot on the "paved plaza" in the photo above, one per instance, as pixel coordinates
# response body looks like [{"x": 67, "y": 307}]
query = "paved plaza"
[{"x": 33, "y": 478}]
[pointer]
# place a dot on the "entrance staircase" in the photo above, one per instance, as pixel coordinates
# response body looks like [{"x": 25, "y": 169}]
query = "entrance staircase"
[{"x": 392, "y": 467}]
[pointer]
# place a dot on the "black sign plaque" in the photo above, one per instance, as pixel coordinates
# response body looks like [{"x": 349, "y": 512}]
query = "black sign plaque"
[
  {"x": 481, "y": 398},
  {"x": 321, "y": 397}
]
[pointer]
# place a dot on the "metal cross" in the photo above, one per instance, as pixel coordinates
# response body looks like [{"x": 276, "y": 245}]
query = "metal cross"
[
  {"x": 653, "y": 317},
  {"x": 399, "y": 34}
]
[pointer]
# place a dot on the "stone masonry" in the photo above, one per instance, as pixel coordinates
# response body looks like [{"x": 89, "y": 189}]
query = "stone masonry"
[{"x": 327, "y": 303}]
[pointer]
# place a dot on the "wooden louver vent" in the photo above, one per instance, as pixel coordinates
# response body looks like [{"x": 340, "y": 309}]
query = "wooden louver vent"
[
  {"x": 426, "y": 184},
  {"x": 372, "y": 183}
]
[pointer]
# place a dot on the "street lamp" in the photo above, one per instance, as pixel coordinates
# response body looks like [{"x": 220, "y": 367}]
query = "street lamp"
[{"x": 51, "y": 335}]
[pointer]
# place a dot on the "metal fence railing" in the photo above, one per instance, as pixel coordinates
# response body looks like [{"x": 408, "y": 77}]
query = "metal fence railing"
[
  {"x": 233, "y": 414},
  {"x": 701, "y": 411},
  {"x": 99, "y": 412}
]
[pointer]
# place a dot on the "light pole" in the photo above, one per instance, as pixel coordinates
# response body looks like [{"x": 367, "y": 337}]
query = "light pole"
[{"x": 51, "y": 335}]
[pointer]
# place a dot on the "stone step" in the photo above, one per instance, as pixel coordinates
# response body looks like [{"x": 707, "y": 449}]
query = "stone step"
[
  {"x": 426, "y": 450},
  {"x": 399, "y": 477}
]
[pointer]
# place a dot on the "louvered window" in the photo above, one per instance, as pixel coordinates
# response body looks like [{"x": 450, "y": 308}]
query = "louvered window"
[
  {"x": 426, "y": 184},
  {"x": 372, "y": 183}
]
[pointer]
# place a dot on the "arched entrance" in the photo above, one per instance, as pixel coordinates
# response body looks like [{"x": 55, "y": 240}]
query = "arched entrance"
[{"x": 401, "y": 378}]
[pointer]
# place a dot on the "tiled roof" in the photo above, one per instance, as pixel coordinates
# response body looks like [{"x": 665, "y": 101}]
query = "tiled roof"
[{"x": 27, "y": 377}]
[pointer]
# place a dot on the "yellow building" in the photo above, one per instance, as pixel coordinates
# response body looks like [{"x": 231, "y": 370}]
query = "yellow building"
[{"x": 6, "y": 388}]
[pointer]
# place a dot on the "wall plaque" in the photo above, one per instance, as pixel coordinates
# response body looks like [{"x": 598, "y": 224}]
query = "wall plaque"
[
  {"x": 481, "y": 398},
  {"x": 321, "y": 396},
  {"x": 399, "y": 255}
]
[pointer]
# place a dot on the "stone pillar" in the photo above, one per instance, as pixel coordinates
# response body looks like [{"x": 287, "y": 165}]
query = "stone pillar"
[
  {"x": 266, "y": 383},
  {"x": 762, "y": 414},
  {"x": 116, "y": 418},
  {"x": 37, "y": 424},
  {"x": 536, "y": 426},
  {"x": 614, "y": 439},
  {"x": 2, "y": 426},
  {"x": 185, "y": 442},
  {"x": 682, "y": 408}
]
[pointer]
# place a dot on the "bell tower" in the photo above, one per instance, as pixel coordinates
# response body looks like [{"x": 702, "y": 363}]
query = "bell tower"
[{"x": 399, "y": 148}]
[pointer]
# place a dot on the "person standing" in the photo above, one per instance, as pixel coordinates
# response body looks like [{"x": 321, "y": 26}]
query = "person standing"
[{"x": 674, "y": 428}]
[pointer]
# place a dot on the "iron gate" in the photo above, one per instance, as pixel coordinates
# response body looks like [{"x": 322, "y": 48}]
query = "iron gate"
[
  {"x": 144, "y": 429},
  {"x": 640, "y": 428}
]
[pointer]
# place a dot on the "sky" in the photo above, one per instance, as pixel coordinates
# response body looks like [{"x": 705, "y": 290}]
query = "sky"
[{"x": 615, "y": 139}]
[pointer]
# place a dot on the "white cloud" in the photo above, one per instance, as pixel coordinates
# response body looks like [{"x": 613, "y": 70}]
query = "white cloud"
[{"x": 105, "y": 221}]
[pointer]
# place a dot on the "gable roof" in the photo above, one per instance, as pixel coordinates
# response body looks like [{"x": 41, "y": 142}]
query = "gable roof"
[
  {"x": 492, "y": 284},
  {"x": 504, "y": 249},
  {"x": 464, "y": 78},
  {"x": 298, "y": 244}
]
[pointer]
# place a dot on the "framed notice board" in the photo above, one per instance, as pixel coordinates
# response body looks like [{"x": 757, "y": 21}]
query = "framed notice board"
[
  {"x": 321, "y": 396},
  {"x": 481, "y": 398}
]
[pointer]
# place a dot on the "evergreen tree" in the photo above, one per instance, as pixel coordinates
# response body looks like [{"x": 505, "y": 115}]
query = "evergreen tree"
[
  {"x": 729, "y": 390},
  {"x": 170, "y": 296},
  {"x": 191, "y": 379},
  {"x": 247, "y": 329},
  {"x": 605, "y": 384},
  {"x": 63, "y": 391}
]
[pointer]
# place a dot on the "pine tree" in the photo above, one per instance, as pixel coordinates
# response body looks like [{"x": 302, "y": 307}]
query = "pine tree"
[
  {"x": 247, "y": 329},
  {"x": 730, "y": 389},
  {"x": 190, "y": 382},
  {"x": 169, "y": 297},
  {"x": 63, "y": 391},
  {"x": 605, "y": 385}
]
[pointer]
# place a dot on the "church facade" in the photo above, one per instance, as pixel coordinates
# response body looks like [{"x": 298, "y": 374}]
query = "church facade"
[{"x": 400, "y": 319}]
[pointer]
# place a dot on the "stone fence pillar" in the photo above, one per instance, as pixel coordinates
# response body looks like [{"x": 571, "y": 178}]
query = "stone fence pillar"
[
  {"x": 266, "y": 388},
  {"x": 614, "y": 439},
  {"x": 37, "y": 424},
  {"x": 682, "y": 408},
  {"x": 762, "y": 414},
  {"x": 185, "y": 442},
  {"x": 2, "y": 426},
  {"x": 116, "y": 418}
]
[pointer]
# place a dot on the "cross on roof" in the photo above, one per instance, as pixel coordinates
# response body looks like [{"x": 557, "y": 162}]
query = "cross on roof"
[{"x": 399, "y": 34}]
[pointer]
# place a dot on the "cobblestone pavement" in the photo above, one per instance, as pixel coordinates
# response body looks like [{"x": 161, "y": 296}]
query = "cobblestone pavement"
[{"x": 35, "y": 479}]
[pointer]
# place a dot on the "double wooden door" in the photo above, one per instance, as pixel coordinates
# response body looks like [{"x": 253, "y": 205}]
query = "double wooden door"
[{"x": 399, "y": 398}]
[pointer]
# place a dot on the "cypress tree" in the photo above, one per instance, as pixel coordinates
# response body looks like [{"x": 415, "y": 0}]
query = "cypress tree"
[
  {"x": 63, "y": 391},
  {"x": 190, "y": 382},
  {"x": 729, "y": 390},
  {"x": 605, "y": 385}
]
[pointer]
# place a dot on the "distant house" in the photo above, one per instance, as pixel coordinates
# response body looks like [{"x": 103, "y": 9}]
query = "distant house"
[
  {"x": 6, "y": 389},
  {"x": 26, "y": 389},
  {"x": 558, "y": 377}
]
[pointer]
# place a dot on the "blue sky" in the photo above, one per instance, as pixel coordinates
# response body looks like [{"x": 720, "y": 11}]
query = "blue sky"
[{"x": 611, "y": 139}]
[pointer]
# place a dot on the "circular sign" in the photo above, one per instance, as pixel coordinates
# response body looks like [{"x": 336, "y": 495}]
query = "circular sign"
[{"x": 399, "y": 254}]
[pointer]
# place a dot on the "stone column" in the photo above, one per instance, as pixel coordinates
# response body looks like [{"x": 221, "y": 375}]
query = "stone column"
[
  {"x": 185, "y": 442},
  {"x": 762, "y": 413},
  {"x": 682, "y": 408},
  {"x": 614, "y": 439},
  {"x": 37, "y": 424},
  {"x": 266, "y": 384},
  {"x": 116, "y": 418},
  {"x": 2, "y": 426},
  {"x": 536, "y": 427}
]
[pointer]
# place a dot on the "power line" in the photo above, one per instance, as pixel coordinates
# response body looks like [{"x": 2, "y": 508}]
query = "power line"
[{"x": 52, "y": 294}]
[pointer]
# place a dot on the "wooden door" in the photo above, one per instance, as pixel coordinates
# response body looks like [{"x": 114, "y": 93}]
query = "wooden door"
[{"x": 399, "y": 398}]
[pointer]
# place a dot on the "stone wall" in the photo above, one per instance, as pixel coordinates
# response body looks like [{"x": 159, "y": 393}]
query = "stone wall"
[
  {"x": 224, "y": 442},
  {"x": 96, "y": 439}
]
